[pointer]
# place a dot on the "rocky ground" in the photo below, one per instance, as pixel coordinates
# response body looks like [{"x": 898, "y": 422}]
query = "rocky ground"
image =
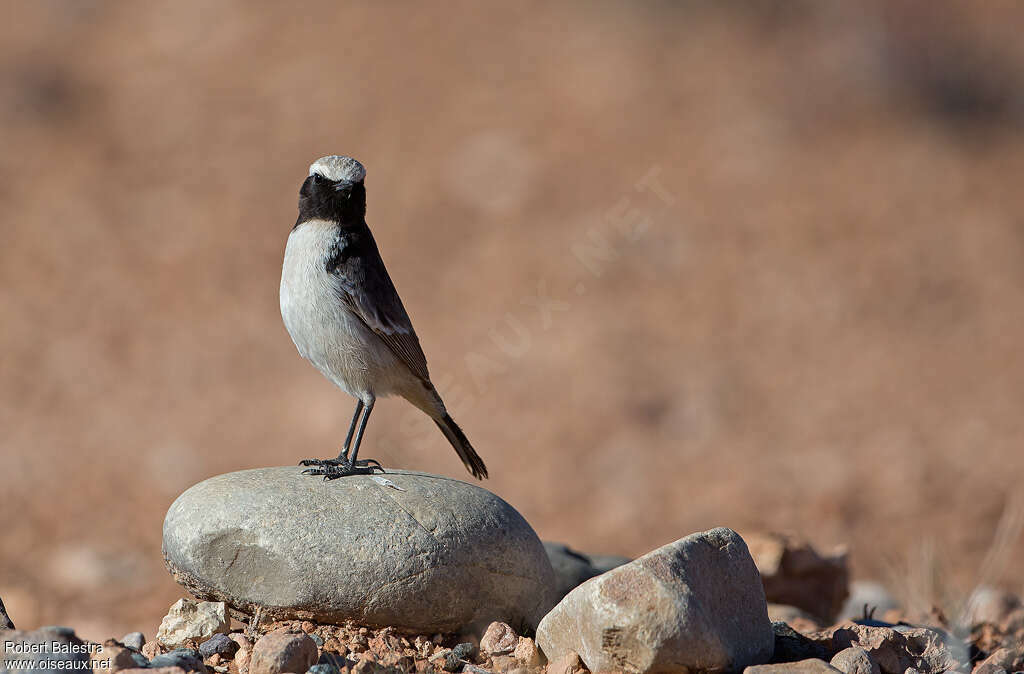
[{"x": 988, "y": 638}]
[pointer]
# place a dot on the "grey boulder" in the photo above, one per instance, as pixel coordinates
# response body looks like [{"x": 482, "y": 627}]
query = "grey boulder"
[
  {"x": 418, "y": 552},
  {"x": 693, "y": 604}
]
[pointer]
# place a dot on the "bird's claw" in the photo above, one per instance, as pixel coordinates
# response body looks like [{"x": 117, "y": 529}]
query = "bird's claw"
[{"x": 331, "y": 469}]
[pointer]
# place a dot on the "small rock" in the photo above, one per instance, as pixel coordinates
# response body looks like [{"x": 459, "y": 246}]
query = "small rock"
[
  {"x": 812, "y": 666},
  {"x": 697, "y": 603},
  {"x": 151, "y": 649},
  {"x": 527, "y": 652},
  {"x": 454, "y": 660},
  {"x": 499, "y": 639},
  {"x": 279, "y": 652},
  {"x": 794, "y": 573},
  {"x": 188, "y": 659},
  {"x": 317, "y": 639},
  {"x": 218, "y": 644},
  {"x": 435, "y": 556},
  {"x": 567, "y": 663},
  {"x": 791, "y": 646},
  {"x": 188, "y": 620},
  {"x": 134, "y": 640},
  {"x": 855, "y": 660},
  {"x": 5, "y": 621},
  {"x": 323, "y": 668},
  {"x": 157, "y": 670}
]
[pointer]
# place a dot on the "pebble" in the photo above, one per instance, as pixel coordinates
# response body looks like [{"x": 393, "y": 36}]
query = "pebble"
[
  {"x": 134, "y": 640},
  {"x": 188, "y": 659},
  {"x": 279, "y": 652},
  {"x": 188, "y": 620},
  {"x": 499, "y": 639},
  {"x": 855, "y": 660},
  {"x": 218, "y": 644}
]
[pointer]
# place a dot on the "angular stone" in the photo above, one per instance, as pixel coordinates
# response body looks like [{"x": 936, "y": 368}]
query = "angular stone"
[
  {"x": 422, "y": 553},
  {"x": 499, "y": 639},
  {"x": 855, "y": 660},
  {"x": 696, "y": 603},
  {"x": 134, "y": 640},
  {"x": 188, "y": 620},
  {"x": 218, "y": 644},
  {"x": 527, "y": 653},
  {"x": 280, "y": 652}
]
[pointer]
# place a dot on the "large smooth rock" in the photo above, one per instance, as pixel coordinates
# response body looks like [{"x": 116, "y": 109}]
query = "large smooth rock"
[
  {"x": 418, "y": 552},
  {"x": 693, "y": 604}
]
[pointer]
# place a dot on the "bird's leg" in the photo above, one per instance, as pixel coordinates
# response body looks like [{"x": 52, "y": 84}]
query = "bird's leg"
[
  {"x": 344, "y": 464},
  {"x": 359, "y": 440},
  {"x": 351, "y": 429}
]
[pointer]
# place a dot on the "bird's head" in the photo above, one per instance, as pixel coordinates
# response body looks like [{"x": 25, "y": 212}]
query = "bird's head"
[{"x": 334, "y": 190}]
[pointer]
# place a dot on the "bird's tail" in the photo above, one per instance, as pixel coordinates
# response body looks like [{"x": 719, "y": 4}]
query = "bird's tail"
[{"x": 451, "y": 430}]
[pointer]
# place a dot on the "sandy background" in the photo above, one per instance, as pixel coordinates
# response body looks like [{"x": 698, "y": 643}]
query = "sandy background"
[{"x": 778, "y": 253}]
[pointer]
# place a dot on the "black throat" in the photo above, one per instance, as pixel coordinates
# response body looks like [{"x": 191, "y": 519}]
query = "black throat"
[{"x": 321, "y": 199}]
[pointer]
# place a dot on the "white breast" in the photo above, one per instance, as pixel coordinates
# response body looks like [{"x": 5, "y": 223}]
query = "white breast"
[{"x": 324, "y": 332}]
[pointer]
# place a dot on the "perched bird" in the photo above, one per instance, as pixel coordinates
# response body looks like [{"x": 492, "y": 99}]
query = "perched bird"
[{"x": 345, "y": 317}]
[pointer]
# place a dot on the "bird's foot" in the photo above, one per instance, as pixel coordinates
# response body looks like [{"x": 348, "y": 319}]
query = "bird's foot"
[{"x": 332, "y": 469}]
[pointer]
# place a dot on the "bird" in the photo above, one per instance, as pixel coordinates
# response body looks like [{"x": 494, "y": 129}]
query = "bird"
[{"x": 344, "y": 315}]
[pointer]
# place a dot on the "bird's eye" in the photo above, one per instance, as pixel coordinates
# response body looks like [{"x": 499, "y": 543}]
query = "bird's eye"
[{"x": 317, "y": 178}]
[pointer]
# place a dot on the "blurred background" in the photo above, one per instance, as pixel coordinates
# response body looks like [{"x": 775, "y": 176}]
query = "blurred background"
[{"x": 674, "y": 265}]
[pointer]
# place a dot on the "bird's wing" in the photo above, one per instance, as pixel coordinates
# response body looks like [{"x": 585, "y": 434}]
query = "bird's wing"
[{"x": 366, "y": 290}]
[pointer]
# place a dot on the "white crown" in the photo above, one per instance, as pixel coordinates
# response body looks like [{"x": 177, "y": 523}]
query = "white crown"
[{"x": 335, "y": 167}]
